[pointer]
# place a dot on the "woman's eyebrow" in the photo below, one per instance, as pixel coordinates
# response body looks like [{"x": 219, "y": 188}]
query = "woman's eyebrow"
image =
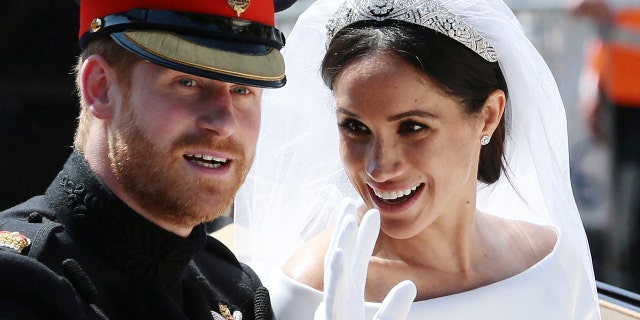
[
  {"x": 347, "y": 113},
  {"x": 411, "y": 113},
  {"x": 396, "y": 117}
]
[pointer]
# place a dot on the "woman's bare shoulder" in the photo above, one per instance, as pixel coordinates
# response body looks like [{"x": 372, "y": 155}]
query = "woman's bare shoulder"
[
  {"x": 542, "y": 238},
  {"x": 534, "y": 241},
  {"x": 306, "y": 265}
]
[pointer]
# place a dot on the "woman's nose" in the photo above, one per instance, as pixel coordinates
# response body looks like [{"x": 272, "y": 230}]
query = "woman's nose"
[{"x": 384, "y": 161}]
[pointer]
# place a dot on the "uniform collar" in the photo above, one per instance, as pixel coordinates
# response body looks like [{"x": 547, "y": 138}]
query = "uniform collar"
[{"x": 95, "y": 217}]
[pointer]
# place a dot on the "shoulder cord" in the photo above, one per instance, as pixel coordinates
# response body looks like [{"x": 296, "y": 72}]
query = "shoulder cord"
[{"x": 82, "y": 284}]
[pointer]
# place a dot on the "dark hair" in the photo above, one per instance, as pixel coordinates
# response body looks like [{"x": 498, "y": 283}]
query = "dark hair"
[{"x": 455, "y": 69}]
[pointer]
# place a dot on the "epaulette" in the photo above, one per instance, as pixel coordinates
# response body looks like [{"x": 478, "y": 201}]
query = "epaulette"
[{"x": 26, "y": 234}]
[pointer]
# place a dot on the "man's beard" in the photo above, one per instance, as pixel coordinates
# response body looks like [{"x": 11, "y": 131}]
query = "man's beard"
[{"x": 149, "y": 176}]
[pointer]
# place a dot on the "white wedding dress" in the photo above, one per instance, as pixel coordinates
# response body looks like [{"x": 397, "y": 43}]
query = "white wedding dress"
[
  {"x": 297, "y": 179},
  {"x": 527, "y": 295}
]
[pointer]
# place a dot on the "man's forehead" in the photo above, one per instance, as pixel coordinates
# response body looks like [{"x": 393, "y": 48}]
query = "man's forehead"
[{"x": 157, "y": 72}]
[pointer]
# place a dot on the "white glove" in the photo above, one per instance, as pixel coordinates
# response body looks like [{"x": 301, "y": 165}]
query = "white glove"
[{"x": 345, "y": 271}]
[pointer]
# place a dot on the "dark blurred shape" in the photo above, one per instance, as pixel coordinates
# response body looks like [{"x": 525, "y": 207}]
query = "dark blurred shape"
[
  {"x": 38, "y": 106},
  {"x": 610, "y": 100}
]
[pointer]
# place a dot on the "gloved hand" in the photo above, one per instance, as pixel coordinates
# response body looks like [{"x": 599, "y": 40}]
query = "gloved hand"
[{"x": 345, "y": 271}]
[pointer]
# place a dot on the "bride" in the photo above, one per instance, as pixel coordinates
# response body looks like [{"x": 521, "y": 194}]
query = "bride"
[{"x": 450, "y": 124}]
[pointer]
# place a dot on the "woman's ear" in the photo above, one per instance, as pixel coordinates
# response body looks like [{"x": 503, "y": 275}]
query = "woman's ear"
[
  {"x": 492, "y": 111},
  {"x": 97, "y": 77}
]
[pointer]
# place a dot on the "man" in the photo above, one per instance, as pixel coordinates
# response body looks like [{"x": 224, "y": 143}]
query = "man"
[
  {"x": 611, "y": 101},
  {"x": 170, "y": 110}
]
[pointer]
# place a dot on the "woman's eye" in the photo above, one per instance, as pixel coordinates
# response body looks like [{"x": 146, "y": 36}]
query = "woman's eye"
[
  {"x": 188, "y": 82},
  {"x": 354, "y": 126},
  {"x": 241, "y": 90},
  {"x": 410, "y": 127}
]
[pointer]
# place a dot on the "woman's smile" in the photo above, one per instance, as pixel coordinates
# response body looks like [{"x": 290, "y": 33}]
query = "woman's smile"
[{"x": 395, "y": 202}]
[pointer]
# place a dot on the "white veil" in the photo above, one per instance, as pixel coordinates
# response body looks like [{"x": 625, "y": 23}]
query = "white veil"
[{"x": 297, "y": 175}]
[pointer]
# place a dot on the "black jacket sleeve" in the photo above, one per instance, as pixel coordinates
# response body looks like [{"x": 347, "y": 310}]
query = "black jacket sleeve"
[{"x": 30, "y": 290}]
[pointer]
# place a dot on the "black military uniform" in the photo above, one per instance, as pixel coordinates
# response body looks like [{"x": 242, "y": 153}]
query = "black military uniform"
[{"x": 92, "y": 257}]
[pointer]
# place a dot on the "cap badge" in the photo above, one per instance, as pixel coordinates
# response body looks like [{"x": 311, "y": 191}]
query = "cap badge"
[
  {"x": 13, "y": 240},
  {"x": 96, "y": 25},
  {"x": 239, "y": 6}
]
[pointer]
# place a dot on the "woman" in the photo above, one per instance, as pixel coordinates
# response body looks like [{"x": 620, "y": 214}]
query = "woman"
[{"x": 430, "y": 97}]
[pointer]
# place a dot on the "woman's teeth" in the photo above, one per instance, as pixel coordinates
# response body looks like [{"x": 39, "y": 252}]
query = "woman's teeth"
[{"x": 392, "y": 195}]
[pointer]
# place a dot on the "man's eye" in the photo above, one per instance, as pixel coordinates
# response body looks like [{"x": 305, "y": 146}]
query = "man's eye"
[
  {"x": 187, "y": 82},
  {"x": 241, "y": 90}
]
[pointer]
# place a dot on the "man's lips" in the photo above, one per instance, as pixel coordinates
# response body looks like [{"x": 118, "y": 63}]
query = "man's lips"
[{"x": 206, "y": 161}]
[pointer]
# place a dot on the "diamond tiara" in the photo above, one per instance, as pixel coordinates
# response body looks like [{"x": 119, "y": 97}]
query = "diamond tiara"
[{"x": 426, "y": 13}]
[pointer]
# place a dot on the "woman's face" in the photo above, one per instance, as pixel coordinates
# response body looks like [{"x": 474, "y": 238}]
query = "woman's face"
[{"x": 410, "y": 150}]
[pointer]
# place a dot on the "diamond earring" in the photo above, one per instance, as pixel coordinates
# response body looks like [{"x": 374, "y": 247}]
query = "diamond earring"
[{"x": 485, "y": 140}]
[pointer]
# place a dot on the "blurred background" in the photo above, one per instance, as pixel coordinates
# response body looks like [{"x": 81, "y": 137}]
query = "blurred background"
[{"x": 38, "y": 105}]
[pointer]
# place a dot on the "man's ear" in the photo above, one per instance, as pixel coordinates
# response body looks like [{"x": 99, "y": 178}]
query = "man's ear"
[
  {"x": 97, "y": 77},
  {"x": 492, "y": 111}
]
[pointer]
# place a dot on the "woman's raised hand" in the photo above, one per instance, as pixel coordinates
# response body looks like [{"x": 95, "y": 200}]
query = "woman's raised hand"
[{"x": 345, "y": 271}]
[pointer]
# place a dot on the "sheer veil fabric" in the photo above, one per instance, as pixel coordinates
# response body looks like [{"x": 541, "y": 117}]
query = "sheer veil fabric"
[{"x": 297, "y": 177}]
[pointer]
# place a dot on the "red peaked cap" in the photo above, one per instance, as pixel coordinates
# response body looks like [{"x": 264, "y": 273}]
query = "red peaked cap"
[
  {"x": 261, "y": 11},
  {"x": 235, "y": 42}
]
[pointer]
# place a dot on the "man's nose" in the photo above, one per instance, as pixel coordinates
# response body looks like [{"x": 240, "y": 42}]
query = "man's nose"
[{"x": 217, "y": 113}]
